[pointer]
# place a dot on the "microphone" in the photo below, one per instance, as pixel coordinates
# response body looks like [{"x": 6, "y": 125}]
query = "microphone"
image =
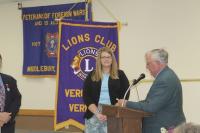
[{"x": 135, "y": 81}]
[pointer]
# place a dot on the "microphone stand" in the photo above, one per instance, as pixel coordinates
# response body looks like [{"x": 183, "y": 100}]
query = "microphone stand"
[{"x": 129, "y": 88}]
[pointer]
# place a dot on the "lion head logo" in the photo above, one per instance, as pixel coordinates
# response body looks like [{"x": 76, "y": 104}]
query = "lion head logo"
[{"x": 75, "y": 64}]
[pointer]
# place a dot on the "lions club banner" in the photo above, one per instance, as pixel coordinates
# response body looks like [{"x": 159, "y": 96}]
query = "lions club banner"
[
  {"x": 79, "y": 43},
  {"x": 40, "y": 32}
]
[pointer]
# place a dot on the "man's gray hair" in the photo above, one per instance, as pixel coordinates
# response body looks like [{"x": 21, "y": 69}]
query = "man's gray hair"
[
  {"x": 160, "y": 55},
  {"x": 187, "y": 128}
]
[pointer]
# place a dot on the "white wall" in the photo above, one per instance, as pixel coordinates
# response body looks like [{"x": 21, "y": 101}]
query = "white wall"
[{"x": 171, "y": 24}]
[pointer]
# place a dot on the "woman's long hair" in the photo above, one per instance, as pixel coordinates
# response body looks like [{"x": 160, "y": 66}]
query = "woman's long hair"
[{"x": 97, "y": 74}]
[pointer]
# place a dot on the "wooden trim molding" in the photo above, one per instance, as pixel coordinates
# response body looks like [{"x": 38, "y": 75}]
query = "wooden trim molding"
[
  {"x": 33, "y": 112},
  {"x": 182, "y": 80}
]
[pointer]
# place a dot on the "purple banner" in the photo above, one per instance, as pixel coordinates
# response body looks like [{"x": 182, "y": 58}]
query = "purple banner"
[
  {"x": 79, "y": 42},
  {"x": 40, "y": 32}
]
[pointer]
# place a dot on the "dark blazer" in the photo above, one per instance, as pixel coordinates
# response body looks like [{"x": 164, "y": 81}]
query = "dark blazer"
[
  {"x": 91, "y": 90},
  {"x": 12, "y": 102},
  {"x": 164, "y": 101}
]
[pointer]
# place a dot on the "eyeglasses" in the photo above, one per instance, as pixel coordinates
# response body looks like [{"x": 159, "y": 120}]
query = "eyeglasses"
[
  {"x": 149, "y": 62},
  {"x": 106, "y": 57}
]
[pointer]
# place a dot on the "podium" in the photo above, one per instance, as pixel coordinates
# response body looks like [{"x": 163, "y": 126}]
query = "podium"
[{"x": 123, "y": 120}]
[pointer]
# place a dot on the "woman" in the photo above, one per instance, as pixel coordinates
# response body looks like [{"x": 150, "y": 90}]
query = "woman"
[
  {"x": 10, "y": 101},
  {"x": 102, "y": 86}
]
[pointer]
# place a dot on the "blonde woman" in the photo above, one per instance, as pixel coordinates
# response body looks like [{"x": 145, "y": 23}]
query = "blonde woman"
[{"x": 102, "y": 86}]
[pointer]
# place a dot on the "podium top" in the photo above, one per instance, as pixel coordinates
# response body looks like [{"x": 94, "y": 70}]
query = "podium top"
[{"x": 116, "y": 111}]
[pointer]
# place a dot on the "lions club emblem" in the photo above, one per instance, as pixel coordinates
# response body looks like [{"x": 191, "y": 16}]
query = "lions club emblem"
[{"x": 84, "y": 61}]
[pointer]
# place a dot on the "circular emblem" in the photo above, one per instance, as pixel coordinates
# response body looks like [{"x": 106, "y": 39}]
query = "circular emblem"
[{"x": 84, "y": 61}]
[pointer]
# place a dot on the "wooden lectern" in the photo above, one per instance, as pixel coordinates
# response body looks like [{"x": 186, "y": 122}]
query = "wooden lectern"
[{"x": 123, "y": 120}]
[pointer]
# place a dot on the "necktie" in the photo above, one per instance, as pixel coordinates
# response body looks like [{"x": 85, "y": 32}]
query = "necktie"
[{"x": 2, "y": 95}]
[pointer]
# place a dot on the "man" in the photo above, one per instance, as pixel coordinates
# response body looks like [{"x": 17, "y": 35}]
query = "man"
[
  {"x": 164, "y": 99},
  {"x": 10, "y": 101}
]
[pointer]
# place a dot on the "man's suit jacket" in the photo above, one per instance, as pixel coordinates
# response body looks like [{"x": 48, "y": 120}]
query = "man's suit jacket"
[
  {"x": 164, "y": 101},
  {"x": 12, "y": 102}
]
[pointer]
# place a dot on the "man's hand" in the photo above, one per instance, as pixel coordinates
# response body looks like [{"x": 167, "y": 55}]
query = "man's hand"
[
  {"x": 4, "y": 117},
  {"x": 121, "y": 102},
  {"x": 1, "y": 123}
]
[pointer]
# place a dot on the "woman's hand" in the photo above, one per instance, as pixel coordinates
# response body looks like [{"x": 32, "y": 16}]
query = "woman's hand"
[{"x": 101, "y": 117}]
